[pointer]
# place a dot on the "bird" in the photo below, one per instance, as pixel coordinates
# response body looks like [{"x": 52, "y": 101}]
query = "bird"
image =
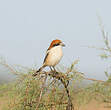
[{"x": 53, "y": 55}]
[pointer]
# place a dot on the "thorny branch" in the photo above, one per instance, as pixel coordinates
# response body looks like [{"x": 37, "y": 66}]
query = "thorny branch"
[
  {"x": 64, "y": 81},
  {"x": 43, "y": 85}
]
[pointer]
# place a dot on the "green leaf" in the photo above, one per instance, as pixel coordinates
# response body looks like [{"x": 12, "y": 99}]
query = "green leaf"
[{"x": 106, "y": 73}]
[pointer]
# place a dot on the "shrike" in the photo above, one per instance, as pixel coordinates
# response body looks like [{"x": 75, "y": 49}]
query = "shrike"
[{"x": 53, "y": 55}]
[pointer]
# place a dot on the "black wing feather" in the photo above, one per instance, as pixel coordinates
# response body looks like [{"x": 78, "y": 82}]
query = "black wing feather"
[{"x": 46, "y": 57}]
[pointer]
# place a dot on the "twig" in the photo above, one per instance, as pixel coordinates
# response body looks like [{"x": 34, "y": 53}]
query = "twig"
[
  {"x": 91, "y": 79},
  {"x": 51, "y": 104},
  {"x": 9, "y": 67},
  {"x": 43, "y": 85}
]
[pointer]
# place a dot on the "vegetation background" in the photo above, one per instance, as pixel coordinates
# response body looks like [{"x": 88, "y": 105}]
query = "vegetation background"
[{"x": 59, "y": 90}]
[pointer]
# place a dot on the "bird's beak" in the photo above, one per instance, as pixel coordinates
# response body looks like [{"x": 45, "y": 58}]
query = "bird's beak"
[{"x": 62, "y": 44}]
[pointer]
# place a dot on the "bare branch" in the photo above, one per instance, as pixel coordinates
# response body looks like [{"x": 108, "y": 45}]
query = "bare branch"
[{"x": 43, "y": 86}]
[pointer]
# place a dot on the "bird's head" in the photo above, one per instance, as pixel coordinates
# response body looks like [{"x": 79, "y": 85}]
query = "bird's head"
[{"x": 56, "y": 43}]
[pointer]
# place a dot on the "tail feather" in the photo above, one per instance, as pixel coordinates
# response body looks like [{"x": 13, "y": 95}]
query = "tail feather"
[{"x": 39, "y": 70}]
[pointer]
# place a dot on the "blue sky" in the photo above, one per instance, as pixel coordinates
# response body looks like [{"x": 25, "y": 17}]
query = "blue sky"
[{"x": 28, "y": 26}]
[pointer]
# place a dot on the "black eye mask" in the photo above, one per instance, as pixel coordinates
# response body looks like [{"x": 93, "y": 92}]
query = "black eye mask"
[{"x": 56, "y": 44}]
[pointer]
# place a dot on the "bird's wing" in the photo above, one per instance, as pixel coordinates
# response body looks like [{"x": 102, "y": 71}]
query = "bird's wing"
[{"x": 47, "y": 53}]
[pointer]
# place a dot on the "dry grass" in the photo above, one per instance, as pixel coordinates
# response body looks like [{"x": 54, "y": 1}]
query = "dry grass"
[
  {"x": 93, "y": 105},
  {"x": 4, "y": 102}
]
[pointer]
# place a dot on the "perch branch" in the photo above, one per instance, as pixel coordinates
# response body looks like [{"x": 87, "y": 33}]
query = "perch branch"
[{"x": 64, "y": 80}]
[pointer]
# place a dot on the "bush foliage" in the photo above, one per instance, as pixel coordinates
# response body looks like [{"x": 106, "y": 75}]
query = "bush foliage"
[{"x": 55, "y": 91}]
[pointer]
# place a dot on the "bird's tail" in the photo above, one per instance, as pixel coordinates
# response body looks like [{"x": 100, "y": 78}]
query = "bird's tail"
[{"x": 39, "y": 70}]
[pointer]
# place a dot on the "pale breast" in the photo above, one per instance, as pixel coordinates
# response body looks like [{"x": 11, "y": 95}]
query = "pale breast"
[{"x": 54, "y": 56}]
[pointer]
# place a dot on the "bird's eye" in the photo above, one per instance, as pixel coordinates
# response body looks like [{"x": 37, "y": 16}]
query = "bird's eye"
[{"x": 56, "y": 44}]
